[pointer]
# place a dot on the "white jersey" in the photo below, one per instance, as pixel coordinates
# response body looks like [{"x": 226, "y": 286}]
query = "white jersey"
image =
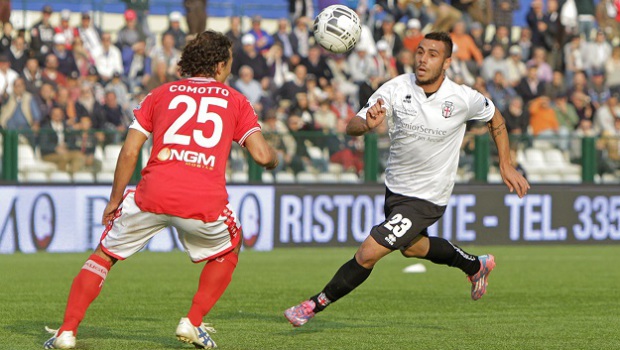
[{"x": 426, "y": 134}]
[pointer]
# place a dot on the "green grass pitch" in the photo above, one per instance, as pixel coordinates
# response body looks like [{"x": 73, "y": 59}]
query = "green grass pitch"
[{"x": 542, "y": 297}]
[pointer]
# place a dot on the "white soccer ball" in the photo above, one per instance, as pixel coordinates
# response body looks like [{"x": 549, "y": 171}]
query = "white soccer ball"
[{"x": 337, "y": 28}]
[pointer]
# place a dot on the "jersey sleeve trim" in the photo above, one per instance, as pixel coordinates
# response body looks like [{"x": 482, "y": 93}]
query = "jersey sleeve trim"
[
  {"x": 136, "y": 125},
  {"x": 248, "y": 133}
]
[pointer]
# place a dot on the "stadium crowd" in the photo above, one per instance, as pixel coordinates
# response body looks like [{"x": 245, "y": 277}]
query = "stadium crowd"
[{"x": 69, "y": 89}]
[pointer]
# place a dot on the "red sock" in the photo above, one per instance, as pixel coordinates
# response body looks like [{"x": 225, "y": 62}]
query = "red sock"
[
  {"x": 215, "y": 277},
  {"x": 85, "y": 288}
]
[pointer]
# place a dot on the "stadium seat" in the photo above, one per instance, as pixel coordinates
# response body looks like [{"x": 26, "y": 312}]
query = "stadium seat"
[
  {"x": 494, "y": 178},
  {"x": 239, "y": 177},
  {"x": 334, "y": 168},
  {"x": 105, "y": 177},
  {"x": 534, "y": 178},
  {"x": 35, "y": 176},
  {"x": 60, "y": 177},
  {"x": 27, "y": 160},
  {"x": 110, "y": 156},
  {"x": 284, "y": 177},
  {"x": 83, "y": 177},
  {"x": 534, "y": 161},
  {"x": 349, "y": 178},
  {"x": 571, "y": 178},
  {"x": 609, "y": 179},
  {"x": 552, "y": 178},
  {"x": 267, "y": 177},
  {"x": 306, "y": 177},
  {"x": 327, "y": 178}
]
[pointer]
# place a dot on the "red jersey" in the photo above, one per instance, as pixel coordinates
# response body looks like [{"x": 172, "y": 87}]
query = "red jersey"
[{"x": 193, "y": 123}]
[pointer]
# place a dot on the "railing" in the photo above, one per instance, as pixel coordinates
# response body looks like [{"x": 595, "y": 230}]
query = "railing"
[{"x": 328, "y": 157}]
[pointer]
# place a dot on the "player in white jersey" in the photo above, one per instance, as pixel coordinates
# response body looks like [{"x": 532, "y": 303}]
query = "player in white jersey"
[{"x": 426, "y": 114}]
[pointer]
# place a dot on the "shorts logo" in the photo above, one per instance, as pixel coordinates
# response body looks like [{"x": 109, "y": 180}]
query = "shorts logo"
[{"x": 446, "y": 109}]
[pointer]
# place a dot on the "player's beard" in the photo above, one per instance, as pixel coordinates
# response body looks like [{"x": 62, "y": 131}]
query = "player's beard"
[{"x": 429, "y": 81}]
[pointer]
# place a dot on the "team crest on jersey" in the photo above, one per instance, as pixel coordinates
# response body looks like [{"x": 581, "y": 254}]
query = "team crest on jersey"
[{"x": 447, "y": 108}]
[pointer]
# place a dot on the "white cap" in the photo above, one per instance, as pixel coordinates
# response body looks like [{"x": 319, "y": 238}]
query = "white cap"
[
  {"x": 65, "y": 14},
  {"x": 60, "y": 39},
  {"x": 248, "y": 39},
  {"x": 382, "y": 45},
  {"x": 515, "y": 50},
  {"x": 175, "y": 16},
  {"x": 414, "y": 23}
]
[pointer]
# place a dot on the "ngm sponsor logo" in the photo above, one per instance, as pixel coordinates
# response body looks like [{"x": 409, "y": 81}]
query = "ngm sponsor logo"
[{"x": 191, "y": 158}]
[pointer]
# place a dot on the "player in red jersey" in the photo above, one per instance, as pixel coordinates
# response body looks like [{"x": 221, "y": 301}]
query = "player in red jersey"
[{"x": 193, "y": 123}]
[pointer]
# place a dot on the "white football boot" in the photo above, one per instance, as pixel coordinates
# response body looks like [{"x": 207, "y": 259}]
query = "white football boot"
[
  {"x": 199, "y": 336},
  {"x": 64, "y": 340}
]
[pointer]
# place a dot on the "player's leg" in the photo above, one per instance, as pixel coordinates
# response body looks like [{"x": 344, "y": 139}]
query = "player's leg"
[
  {"x": 118, "y": 242},
  {"x": 219, "y": 243},
  {"x": 442, "y": 251},
  {"x": 348, "y": 277}
]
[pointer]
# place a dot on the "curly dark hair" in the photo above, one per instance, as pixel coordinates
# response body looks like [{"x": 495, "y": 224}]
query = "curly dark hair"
[
  {"x": 443, "y": 37},
  {"x": 201, "y": 55}
]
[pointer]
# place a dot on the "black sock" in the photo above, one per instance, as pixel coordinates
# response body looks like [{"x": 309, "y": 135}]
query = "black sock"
[
  {"x": 349, "y": 276},
  {"x": 443, "y": 252}
]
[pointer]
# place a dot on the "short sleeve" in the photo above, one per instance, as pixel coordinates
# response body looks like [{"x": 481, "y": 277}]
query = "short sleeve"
[
  {"x": 385, "y": 93},
  {"x": 144, "y": 113},
  {"x": 480, "y": 107},
  {"x": 247, "y": 123}
]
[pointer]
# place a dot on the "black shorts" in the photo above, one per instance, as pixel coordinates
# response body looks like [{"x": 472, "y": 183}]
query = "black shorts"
[{"x": 405, "y": 219}]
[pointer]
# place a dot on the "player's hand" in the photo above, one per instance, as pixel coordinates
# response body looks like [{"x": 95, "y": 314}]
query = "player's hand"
[
  {"x": 109, "y": 213},
  {"x": 514, "y": 180},
  {"x": 376, "y": 114}
]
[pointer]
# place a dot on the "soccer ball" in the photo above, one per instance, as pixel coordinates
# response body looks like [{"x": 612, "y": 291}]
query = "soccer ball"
[{"x": 337, "y": 28}]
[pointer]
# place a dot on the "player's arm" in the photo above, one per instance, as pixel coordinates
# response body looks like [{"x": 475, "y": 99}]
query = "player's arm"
[
  {"x": 125, "y": 166},
  {"x": 512, "y": 178},
  {"x": 375, "y": 115},
  {"x": 260, "y": 150}
]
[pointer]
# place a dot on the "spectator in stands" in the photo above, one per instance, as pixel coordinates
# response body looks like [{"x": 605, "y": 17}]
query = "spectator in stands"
[
  {"x": 525, "y": 43},
  {"x": 5, "y": 11},
  {"x": 129, "y": 34},
  {"x": 612, "y": 70},
  {"x": 20, "y": 110},
  {"x": 92, "y": 80},
  {"x": 300, "y": 38},
  {"x": 557, "y": 86},
  {"x": 18, "y": 54},
  {"x": 175, "y": 30},
  {"x": 267, "y": 100},
  {"x": 342, "y": 107},
  {"x": 543, "y": 120},
  {"x": 605, "y": 116},
  {"x": 82, "y": 58},
  {"x": 363, "y": 68},
  {"x": 565, "y": 113},
  {"x": 65, "y": 57},
  {"x": 246, "y": 84},
  {"x": 610, "y": 145},
  {"x": 516, "y": 69},
  {"x": 7, "y": 38},
  {"x": 277, "y": 136},
  {"x": 167, "y": 53},
  {"x": 537, "y": 22},
  {"x": 386, "y": 64},
  {"x": 46, "y": 99},
  {"x": 159, "y": 75},
  {"x": 539, "y": 59},
  {"x": 585, "y": 16},
  {"x": 344, "y": 149},
  {"x": 413, "y": 35},
  {"x": 109, "y": 61},
  {"x": 599, "y": 52},
  {"x": 468, "y": 51},
  {"x": 91, "y": 36},
  {"x": 141, "y": 9},
  {"x": 42, "y": 34},
  {"x": 387, "y": 34},
  {"x": 502, "y": 38},
  {"x": 317, "y": 65},
  {"x": 300, "y": 8},
  {"x": 530, "y": 86},
  {"x": 556, "y": 32},
  {"x": 300, "y": 161},
  {"x": 7, "y": 76},
  {"x": 446, "y": 17},
  {"x": 583, "y": 105},
  {"x": 234, "y": 33},
  {"x": 51, "y": 73},
  {"x": 249, "y": 56},
  {"x": 115, "y": 121},
  {"x": 137, "y": 67},
  {"x": 607, "y": 19},
  {"x": 579, "y": 84},
  {"x": 65, "y": 28},
  {"x": 503, "y": 11},
  {"x": 84, "y": 139},
  {"x": 458, "y": 70},
  {"x": 64, "y": 102},
  {"x": 584, "y": 129},
  {"x": 263, "y": 40},
  {"x": 119, "y": 88},
  {"x": 196, "y": 15},
  {"x": 341, "y": 72},
  {"x": 33, "y": 75},
  {"x": 598, "y": 90},
  {"x": 478, "y": 35},
  {"x": 501, "y": 92},
  {"x": 53, "y": 139},
  {"x": 314, "y": 93},
  {"x": 404, "y": 62},
  {"x": 301, "y": 108},
  {"x": 325, "y": 117},
  {"x": 574, "y": 58},
  {"x": 290, "y": 89},
  {"x": 517, "y": 118},
  {"x": 493, "y": 63},
  {"x": 87, "y": 105},
  {"x": 278, "y": 65},
  {"x": 282, "y": 36}
]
